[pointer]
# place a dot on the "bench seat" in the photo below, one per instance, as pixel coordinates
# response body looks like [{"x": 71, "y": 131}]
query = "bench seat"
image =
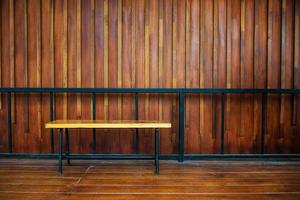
[{"x": 108, "y": 124}]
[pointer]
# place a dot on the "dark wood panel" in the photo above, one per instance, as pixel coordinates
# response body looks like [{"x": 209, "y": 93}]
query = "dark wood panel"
[{"x": 145, "y": 43}]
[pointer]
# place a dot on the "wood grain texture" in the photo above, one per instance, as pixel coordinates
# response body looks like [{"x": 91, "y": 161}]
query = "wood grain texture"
[
  {"x": 248, "y": 137},
  {"x": 99, "y": 67},
  {"x": 108, "y": 124},
  {"x": 233, "y": 124},
  {"x": 193, "y": 137},
  {"x": 152, "y": 43},
  {"x": 140, "y": 64},
  {"x": 74, "y": 69},
  {"x": 87, "y": 63},
  {"x": 5, "y": 61},
  {"x": 47, "y": 54},
  {"x": 296, "y": 72},
  {"x": 127, "y": 78},
  {"x": 287, "y": 42},
  {"x": 34, "y": 68},
  {"x": 20, "y": 67},
  {"x": 260, "y": 59},
  {"x": 1, "y": 64},
  {"x": 220, "y": 63},
  {"x": 38, "y": 179}
]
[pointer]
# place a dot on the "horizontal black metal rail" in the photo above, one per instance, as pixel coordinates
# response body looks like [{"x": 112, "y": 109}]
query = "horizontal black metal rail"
[
  {"x": 151, "y": 90},
  {"x": 143, "y": 156},
  {"x": 181, "y": 92}
]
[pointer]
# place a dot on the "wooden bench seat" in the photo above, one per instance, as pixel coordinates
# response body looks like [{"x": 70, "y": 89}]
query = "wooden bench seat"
[{"x": 105, "y": 124}]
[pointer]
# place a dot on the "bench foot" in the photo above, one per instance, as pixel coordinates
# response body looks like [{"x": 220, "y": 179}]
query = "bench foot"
[
  {"x": 67, "y": 146},
  {"x": 60, "y": 151},
  {"x": 156, "y": 159}
]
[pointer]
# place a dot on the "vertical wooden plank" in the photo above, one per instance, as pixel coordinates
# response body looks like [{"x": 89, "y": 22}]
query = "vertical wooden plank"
[
  {"x": 180, "y": 43},
  {"x": 1, "y": 16},
  {"x": 132, "y": 138},
  {"x": 228, "y": 65},
  {"x": 92, "y": 50},
  {"x": 78, "y": 65},
  {"x": 112, "y": 72},
  {"x": 282, "y": 62},
  {"x": 296, "y": 142},
  {"x": 106, "y": 61},
  {"x": 206, "y": 73},
  {"x": 260, "y": 59},
  {"x": 78, "y": 57},
  {"x": 20, "y": 41},
  {"x": 5, "y": 61},
  {"x": 133, "y": 36},
  {"x": 60, "y": 57},
  {"x": 187, "y": 66},
  {"x": 1, "y": 61},
  {"x": 273, "y": 78},
  {"x": 12, "y": 56},
  {"x": 287, "y": 56},
  {"x": 119, "y": 57},
  {"x": 105, "y": 56},
  {"x": 220, "y": 43},
  {"x": 193, "y": 136},
  {"x": 87, "y": 63},
  {"x": 153, "y": 61},
  {"x": 234, "y": 112},
  {"x": 34, "y": 74},
  {"x": 26, "y": 97},
  {"x": 112, "y": 79},
  {"x": 247, "y": 141},
  {"x": 127, "y": 100},
  {"x": 2, "y": 4},
  {"x": 236, "y": 75},
  {"x": 74, "y": 41},
  {"x": 201, "y": 82},
  {"x": 160, "y": 54},
  {"x": 140, "y": 60},
  {"x": 214, "y": 82},
  {"x": 126, "y": 59},
  {"x": 39, "y": 71},
  {"x": 147, "y": 140},
  {"x": 99, "y": 69},
  {"x": 174, "y": 68},
  {"x": 47, "y": 64},
  {"x": 170, "y": 145},
  {"x": 179, "y": 14},
  {"x": 242, "y": 64},
  {"x": 65, "y": 56}
]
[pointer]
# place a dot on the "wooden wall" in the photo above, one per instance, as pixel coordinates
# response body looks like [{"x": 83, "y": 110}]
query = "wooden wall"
[{"x": 152, "y": 43}]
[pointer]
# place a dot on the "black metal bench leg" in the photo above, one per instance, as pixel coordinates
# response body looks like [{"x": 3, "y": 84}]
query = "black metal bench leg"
[
  {"x": 60, "y": 151},
  {"x": 156, "y": 152},
  {"x": 68, "y": 145}
]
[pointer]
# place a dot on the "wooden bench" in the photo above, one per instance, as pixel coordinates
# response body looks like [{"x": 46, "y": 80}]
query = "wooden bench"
[{"x": 107, "y": 124}]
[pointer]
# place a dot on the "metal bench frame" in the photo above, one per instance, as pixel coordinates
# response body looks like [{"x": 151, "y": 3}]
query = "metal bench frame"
[{"x": 61, "y": 156}]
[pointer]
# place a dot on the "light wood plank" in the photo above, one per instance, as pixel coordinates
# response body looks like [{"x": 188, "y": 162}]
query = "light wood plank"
[{"x": 107, "y": 124}]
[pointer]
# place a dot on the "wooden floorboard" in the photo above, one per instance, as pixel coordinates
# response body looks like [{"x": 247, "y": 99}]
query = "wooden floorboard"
[{"x": 126, "y": 180}]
